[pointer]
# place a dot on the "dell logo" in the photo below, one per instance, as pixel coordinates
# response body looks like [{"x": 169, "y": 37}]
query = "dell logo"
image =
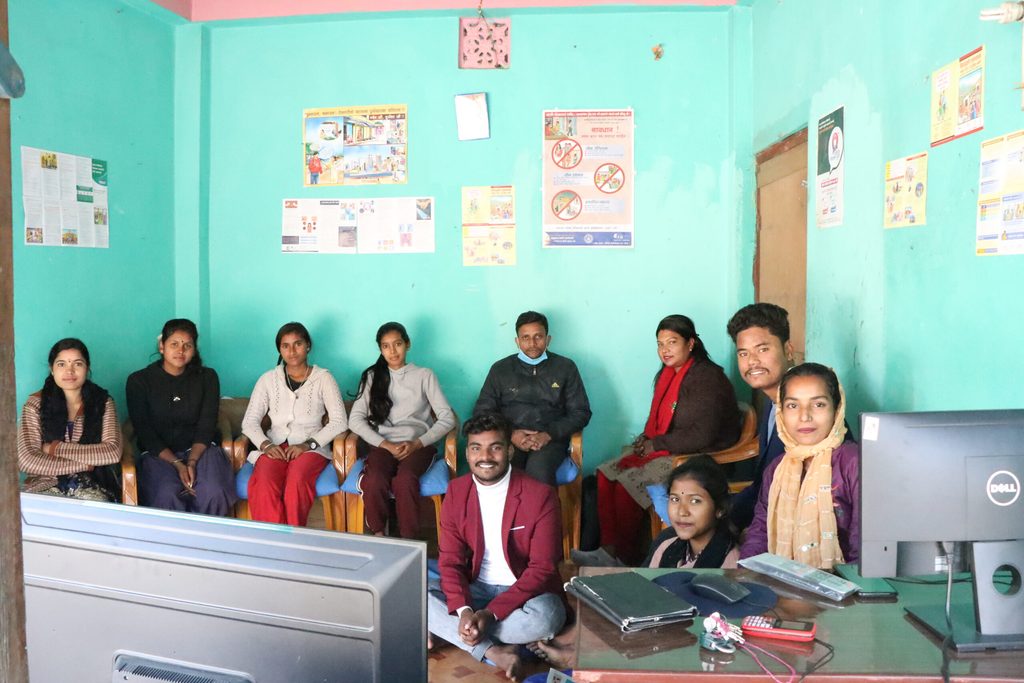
[{"x": 1003, "y": 488}]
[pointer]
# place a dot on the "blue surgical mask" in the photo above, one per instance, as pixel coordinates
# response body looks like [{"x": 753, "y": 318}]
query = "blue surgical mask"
[{"x": 533, "y": 361}]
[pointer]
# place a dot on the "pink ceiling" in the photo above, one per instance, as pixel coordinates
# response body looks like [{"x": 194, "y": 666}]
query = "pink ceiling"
[{"x": 212, "y": 10}]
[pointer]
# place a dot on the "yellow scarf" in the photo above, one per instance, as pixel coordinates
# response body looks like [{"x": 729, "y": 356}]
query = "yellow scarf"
[{"x": 801, "y": 520}]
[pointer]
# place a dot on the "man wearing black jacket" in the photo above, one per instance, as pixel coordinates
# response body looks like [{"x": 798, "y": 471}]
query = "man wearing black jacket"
[{"x": 541, "y": 394}]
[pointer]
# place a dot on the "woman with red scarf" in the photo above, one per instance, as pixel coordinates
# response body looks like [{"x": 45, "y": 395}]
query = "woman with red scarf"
[{"x": 693, "y": 411}]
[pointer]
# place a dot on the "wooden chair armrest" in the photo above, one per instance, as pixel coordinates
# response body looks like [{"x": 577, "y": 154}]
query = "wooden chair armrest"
[
  {"x": 338, "y": 455},
  {"x": 239, "y": 452},
  {"x": 129, "y": 477},
  {"x": 350, "y": 445},
  {"x": 451, "y": 452},
  {"x": 576, "y": 449}
]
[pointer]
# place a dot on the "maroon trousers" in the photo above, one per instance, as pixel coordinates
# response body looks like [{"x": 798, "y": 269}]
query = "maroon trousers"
[
  {"x": 621, "y": 521},
  {"x": 385, "y": 476}
]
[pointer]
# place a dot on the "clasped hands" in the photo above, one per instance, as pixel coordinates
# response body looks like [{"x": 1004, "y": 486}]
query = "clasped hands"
[
  {"x": 642, "y": 446},
  {"x": 279, "y": 452},
  {"x": 402, "y": 449},
  {"x": 530, "y": 440},
  {"x": 474, "y": 625}
]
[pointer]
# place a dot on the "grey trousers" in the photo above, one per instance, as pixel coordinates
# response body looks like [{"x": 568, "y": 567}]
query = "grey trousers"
[{"x": 539, "y": 618}]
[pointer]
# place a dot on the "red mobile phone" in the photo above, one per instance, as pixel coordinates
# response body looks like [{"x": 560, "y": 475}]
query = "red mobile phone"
[{"x": 770, "y": 627}]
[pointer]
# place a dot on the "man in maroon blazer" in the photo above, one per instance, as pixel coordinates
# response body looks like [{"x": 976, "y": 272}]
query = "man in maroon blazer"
[{"x": 500, "y": 541}]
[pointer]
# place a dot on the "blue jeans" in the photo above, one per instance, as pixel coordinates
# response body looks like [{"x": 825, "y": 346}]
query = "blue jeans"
[{"x": 539, "y": 618}]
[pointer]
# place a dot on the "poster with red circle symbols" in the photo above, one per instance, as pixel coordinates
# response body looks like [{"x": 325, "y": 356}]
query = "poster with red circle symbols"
[{"x": 588, "y": 178}]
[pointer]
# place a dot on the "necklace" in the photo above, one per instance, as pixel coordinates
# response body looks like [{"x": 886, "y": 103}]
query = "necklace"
[{"x": 294, "y": 385}]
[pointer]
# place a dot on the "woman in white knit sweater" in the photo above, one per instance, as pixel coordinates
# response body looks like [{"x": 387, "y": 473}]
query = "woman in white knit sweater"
[
  {"x": 401, "y": 412},
  {"x": 294, "y": 451}
]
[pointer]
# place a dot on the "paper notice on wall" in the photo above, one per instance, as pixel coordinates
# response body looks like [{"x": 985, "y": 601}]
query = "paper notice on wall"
[
  {"x": 588, "y": 178},
  {"x": 355, "y": 145},
  {"x": 831, "y": 178},
  {"x": 958, "y": 98},
  {"x": 471, "y": 119},
  {"x": 65, "y": 199},
  {"x": 397, "y": 225},
  {"x": 1000, "y": 219},
  {"x": 489, "y": 226},
  {"x": 906, "y": 191}
]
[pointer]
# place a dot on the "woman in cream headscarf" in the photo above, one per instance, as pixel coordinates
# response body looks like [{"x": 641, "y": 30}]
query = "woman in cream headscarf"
[{"x": 808, "y": 508}]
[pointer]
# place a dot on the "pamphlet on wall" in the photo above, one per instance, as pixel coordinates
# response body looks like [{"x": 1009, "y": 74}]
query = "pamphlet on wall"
[
  {"x": 958, "y": 98},
  {"x": 65, "y": 199},
  {"x": 1000, "y": 217},
  {"x": 831, "y": 180},
  {"x": 906, "y": 191},
  {"x": 392, "y": 225},
  {"x": 489, "y": 226},
  {"x": 588, "y": 178},
  {"x": 355, "y": 145}
]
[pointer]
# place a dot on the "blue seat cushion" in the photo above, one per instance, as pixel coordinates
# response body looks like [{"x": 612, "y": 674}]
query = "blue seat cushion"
[
  {"x": 566, "y": 472},
  {"x": 659, "y": 496},
  {"x": 434, "y": 481},
  {"x": 326, "y": 483}
]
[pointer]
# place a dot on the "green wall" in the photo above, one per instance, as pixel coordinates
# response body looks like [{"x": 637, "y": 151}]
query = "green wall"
[
  {"x": 98, "y": 83},
  {"x": 910, "y": 318},
  {"x": 256, "y": 78}
]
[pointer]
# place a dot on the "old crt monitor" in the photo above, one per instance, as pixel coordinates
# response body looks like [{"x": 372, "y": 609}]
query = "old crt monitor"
[
  {"x": 950, "y": 476},
  {"x": 115, "y": 592}
]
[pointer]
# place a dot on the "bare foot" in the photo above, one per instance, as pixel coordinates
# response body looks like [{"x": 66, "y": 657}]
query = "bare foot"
[
  {"x": 506, "y": 658},
  {"x": 559, "y": 655}
]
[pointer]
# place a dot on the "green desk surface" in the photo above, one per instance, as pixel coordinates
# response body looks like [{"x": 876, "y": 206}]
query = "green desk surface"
[{"x": 873, "y": 641}]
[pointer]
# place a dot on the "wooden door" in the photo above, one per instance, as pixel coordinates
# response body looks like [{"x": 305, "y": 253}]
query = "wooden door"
[{"x": 780, "y": 266}]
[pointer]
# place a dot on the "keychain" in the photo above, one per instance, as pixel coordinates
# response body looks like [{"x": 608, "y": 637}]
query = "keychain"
[{"x": 718, "y": 633}]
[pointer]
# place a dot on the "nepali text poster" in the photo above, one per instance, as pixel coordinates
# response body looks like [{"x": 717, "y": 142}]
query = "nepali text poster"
[
  {"x": 489, "y": 226},
  {"x": 65, "y": 199},
  {"x": 831, "y": 174},
  {"x": 906, "y": 191},
  {"x": 1000, "y": 218},
  {"x": 396, "y": 225},
  {"x": 588, "y": 178},
  {"x": 958, "y": 98},
  {"x": 355, "y": 145}
]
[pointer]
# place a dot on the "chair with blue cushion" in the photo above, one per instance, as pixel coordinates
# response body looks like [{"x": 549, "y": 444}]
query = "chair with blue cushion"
[
  {"x": 328, "y": 484},
  {"x": 745, "y": 448},
  {"x": 569, "y": 479},
  {"x": 433, "y": 483}
]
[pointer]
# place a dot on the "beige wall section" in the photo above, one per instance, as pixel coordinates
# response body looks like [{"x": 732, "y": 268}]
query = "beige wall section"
[{"x": 782, "y": 237}]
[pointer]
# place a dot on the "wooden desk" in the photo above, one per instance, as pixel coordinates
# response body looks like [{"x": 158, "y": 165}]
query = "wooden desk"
[{"x": 873, "y": 641}]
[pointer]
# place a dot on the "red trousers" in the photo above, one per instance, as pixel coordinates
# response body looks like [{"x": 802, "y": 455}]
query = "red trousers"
[
  {"x": 283, "y": 491},
  {"x": 385, "y": 476},
  {"x": 621, "y": 521}
]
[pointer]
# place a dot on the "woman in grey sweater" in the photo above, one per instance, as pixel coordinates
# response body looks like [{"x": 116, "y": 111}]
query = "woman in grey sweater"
[{"x": 400, "y": 412}]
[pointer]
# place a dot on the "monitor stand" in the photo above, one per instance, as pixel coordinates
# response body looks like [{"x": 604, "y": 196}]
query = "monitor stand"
[{"x": 997, "y": 621}]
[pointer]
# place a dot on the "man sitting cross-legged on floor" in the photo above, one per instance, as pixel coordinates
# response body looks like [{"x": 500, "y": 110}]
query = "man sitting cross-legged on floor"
[{"x": 499, "y": 546}]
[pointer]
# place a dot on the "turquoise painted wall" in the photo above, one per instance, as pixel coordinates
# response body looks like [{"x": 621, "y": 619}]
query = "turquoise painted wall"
[
  {"x": 99, "y": 83},
  {"x": 256, "y": 78},
  {"x": 910, "y": 318}
]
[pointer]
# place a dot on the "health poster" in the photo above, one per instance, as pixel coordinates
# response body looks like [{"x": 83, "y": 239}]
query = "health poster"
[
  {"x": 355, "y": 145},
  {"x": 958, "y": 98},
  {"x": 398, "y": 225},
  {"x": 1000, "y": 219},
  {"x": 831, "y": 170},
  {"x": 906, "y": 191},
  {"x": 65, "y": 199},
  {"x": 588, "y": 178},
  {"x": 489, "y": 226}
]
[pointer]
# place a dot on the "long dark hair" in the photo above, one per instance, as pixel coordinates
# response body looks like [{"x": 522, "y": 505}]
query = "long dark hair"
[
  {"x": 380, "y": 402},
  {"x": 188, "y": 327},
  {"x": 683, "y": 326},
  {"x": 292, "y": 328},
  {"x": 53, "y": 406}
]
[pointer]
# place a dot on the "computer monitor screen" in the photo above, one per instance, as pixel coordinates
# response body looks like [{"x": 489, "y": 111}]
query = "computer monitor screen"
[
  {"x": 114, "y": 589},
  {"x": 948, "y": 476}
]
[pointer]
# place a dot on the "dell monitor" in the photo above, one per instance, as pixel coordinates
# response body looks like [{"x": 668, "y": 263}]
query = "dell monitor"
[
  {"x": 947, "y": 477},
  {"x": 120, "y": 593}
]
